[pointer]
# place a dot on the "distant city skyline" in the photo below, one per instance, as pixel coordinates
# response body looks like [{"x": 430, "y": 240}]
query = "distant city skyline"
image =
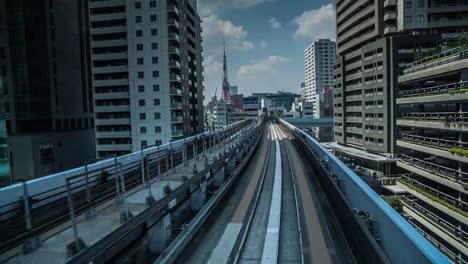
[{"x": 265, "y": 42}]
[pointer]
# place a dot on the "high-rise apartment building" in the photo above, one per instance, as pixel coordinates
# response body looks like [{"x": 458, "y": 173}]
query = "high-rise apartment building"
[
  {"x": 4, "y": 149},
  {"x": 319, "y": 60},
  {"x": 433, "y": 145},
  {"x": 147, "y": 72},
  {"x": 44, "y": 66}
]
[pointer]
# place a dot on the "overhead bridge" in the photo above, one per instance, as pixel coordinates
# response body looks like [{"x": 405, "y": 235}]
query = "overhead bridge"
[{"x": 252, "y": 192}]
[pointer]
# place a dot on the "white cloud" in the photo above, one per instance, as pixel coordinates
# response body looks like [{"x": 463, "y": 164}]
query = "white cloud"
[
  {"x": 274, "y": 23},
  {"x": 208, "y": 7},
  {"x": 215, "y": 30},
  {"x": 316, "y": 24},
  {"x": 264, "y": 66},
  {"x": 263, "y": 44}
]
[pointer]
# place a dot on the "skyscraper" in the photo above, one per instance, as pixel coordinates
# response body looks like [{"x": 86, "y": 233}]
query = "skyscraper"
[
  {"x": 225, "y": 85},
  {"x": 319, "y": 60},
  {"x": 44, "y": 64},
  {"x": 147, "y": 73}
]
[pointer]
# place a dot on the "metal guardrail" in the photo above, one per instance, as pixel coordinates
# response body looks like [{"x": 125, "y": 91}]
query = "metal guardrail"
[
  {"x": 445, "y": 57},
  {"x": 453, "y": 229},
  {"x": 399, "y": 240},
  {"x": 447, "y": 198},
  {"x": 443, "y": 143},
  {"x": 452, "y": 255},
  {"x": 435, "y": 168},
  {"x": 94, "y": 184},
  {"x": 434, "y": 90},
  {"x": 437, "y": 116}
]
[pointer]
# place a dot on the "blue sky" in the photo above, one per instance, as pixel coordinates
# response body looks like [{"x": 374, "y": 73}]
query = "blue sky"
[{"x": 265, "y": 41}]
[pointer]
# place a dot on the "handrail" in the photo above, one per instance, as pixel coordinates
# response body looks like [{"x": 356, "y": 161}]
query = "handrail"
[
  {"x": 457, "y": 231},
  {"x": 444, "y": 116},
  {"x": 434, "y": 90},
  {"x": 444, "y": 171},
  {"x": 435, "y": 141},
  {"x": 448, "y": 198},
  {"x": 442, "y": 58}
]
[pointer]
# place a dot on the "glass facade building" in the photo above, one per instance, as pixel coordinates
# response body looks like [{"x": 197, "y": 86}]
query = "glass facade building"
[{"x": 4, "y": 163}]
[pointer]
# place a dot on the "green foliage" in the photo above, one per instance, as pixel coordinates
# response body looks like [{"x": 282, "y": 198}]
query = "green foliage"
[
  {"x": 459, "y": 91},
  {"x": 434, "y": 198},
  {"x": 423, "y": 55},
  {"x": 460, "y": 41},
  {"x": 459, "y": 151},
  {"x": 395, "y": 203}
]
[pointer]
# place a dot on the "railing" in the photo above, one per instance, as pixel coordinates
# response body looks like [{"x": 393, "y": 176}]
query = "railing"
[
  {"x": 445, "y": 57},
  {"x": 48, "y": 194},
  {"x": 434, "y": 90},
  {"x": 453, "y": 229},
  {"x": 438, "y": 116},
  {"x": 438, "y": 169},
  {"x": 443, "y": 196},
  {"x": 452, "y": 255},
  {"x": 443, "y": 143},
  {"x": 400, "y": 242}
]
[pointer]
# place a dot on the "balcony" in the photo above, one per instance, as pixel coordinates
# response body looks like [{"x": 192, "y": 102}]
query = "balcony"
[
  {"x": 444, "y": 175},
  {"x": 456, "y": 121},
  {"x": 448, "y": 149},
  {"x": 172, "y": 9},
  {"x": 448, "y": 231},
  {"x": 390, "y": 30},
  {"x": 443, "y": 59},
  {"x": 174, "y": 64},
  {"x": 175, "y": 78},
  {"x": 441, "y": 93},
  {"x": 177, "y": 119},
  {"x": 114, "y": 134},
  {"x": 176, "y": 91},
  {"x": 112, "y": 108},
  {"x": 173, "y": 23},
  {"x": 114, "y": 147},
  {"x": 112, "y": 121},
  {"x": 176, "y": 105},
  {"x": 452, "y": 206},
  {"x": 389, "y": 3},
  {"x": 116, "y": 95},
  {"x": 174, "y": 51},
  {"x": 177, "y": 133},
  {"x": 354, "y": 108},
  {"x": 172, "y": 36}
]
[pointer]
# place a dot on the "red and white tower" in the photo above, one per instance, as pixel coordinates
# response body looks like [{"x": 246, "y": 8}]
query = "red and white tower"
[{"x": 226, "y": 94}]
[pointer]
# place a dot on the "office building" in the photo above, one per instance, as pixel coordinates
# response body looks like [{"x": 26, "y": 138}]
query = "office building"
[
  {"x": 251, "y": 107},
  {"x": 302, "y": 91},
  {"x": 319, "y": 60},
  {"x": 44, "y": 65},
  {"x": 432, "y": 139},
  {"x": 147, "y": 73}
]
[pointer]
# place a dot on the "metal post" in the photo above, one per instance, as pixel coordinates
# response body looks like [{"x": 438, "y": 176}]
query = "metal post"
[
  {"x": 90, "y": 214},
  {"x": 142, "y": 164},
  {"x": 125, "y": 215},
  {"x": 118, "y": 198},
  {"x": 184, "y": 153},
  {"x": 76, "y": 238},
  {"x": 194, "y": 147},
  {"x": 171, "y": 155},
  {"x": 27, "y": 212},
  {"x": 150, "y": 199}
]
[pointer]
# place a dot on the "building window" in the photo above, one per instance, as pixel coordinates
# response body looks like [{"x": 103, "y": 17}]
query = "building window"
[
  {"x": 155, "y": 74},
  {"x": 137, "y": 5},
  {"x": 142, "y": 116},
  {"x": 157, "y": 102},
  {"x": 141, "y": 75},
  {"x": 138, "y": 19},
  {"x": 154, "y": 32},
  {"x": 143, "y": 130},
  {"x": 157, "y": 129},
  {"x": 420, "y": 3},
  {"x": 140, "y": 61},
  {"x": 144, "y": 144},
  {"x": 153, "y": 18},
  {"x": 141, "y": 88},
  {"x": 158, "y": 142},
  {"x": 139, "y": 33},
  {"x": 152, "y": 3},
  {"x": 141, "y": 102},
  {"x": 154, "y": 46},
  {"x": 157, "y": 116},
  {"x": 408, "y": 4},
  {"x": 139, "y": 46},
  {"x": 46, "y": 151},
  {"x": 408, "y": 19},
  {"x": 155, "y": 87},
  {"x": 420, "y": 18},
  {"x": 155, "y": 60}
]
